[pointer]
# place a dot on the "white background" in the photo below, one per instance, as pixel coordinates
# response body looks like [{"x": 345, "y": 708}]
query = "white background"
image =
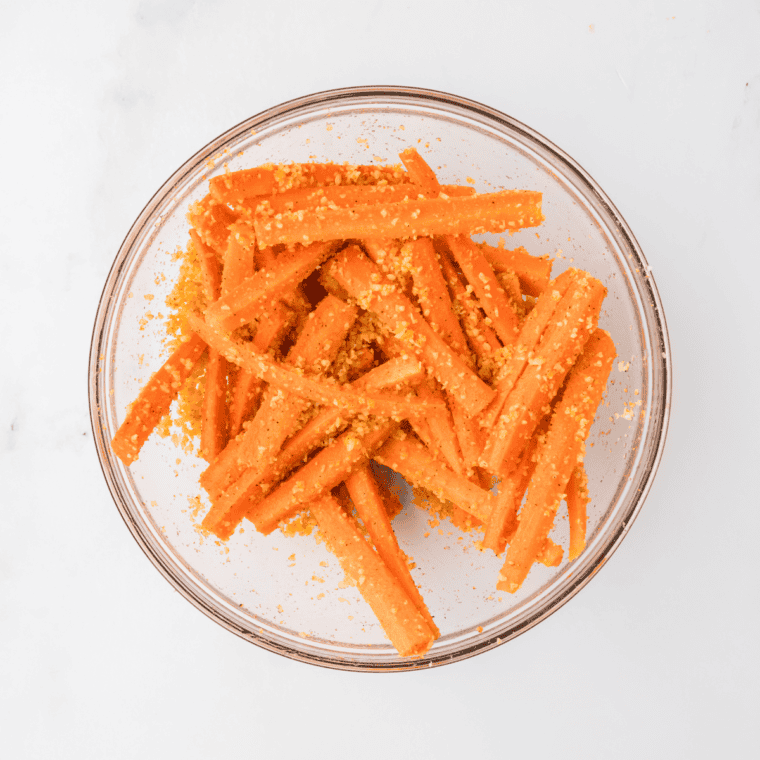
[{"x": 101, "y": 102}]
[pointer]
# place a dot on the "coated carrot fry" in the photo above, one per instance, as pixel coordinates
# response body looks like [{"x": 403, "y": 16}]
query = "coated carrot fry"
[
  {"x": 386, "y": 253},
  {"x": 565, "y": 441},
  {"x": 239, "y": 257},
  {"x": 344, "y": 196},
  {"x": 328, "y": 468},
  {"x": 433, "y": 295},
  {"x": 419, "y": 172},
  {"x": 154, "y": 400},
  {"x": 402, "y": 622},
  {"x": 530, "y": 334},
  {"x": 573, "y": 322},
  {"x": 215, "y": 417},
  {"x": 320, "y": 391},
  {"x": 491, "y": 296},
  {"x": 481, "y": 337},
  {"x": 409, "y": 458},
  {"x": 467, "y": 215},
  {"x": 550, "y": 554},
  {"x": 532, "y": 271},
  {"x": 232, "y": 505},
  {"x": 243, "y": 303},
  {"x": 211, "y": 220},
  {"x": 374, "y": 292},
  {"x": 577, "y": 498},
  {"x": 371, "y": 510},
  {"x": 236, "y": 187},
  {"x": 248, "y": 388},
  {"x": 503, "y": 521},
  {"x": 313, "y": 352},
  {"x": 441, "y": 428}
]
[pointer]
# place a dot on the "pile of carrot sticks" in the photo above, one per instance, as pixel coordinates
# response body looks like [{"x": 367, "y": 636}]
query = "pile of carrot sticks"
[{"x": 349, "y": 317}]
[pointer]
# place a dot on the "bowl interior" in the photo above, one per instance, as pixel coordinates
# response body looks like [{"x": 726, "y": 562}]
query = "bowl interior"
[{"x": 286, "y": 593}]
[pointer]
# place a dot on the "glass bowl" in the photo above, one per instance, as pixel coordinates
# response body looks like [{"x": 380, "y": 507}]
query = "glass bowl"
[{"x": 286, "y": 594}]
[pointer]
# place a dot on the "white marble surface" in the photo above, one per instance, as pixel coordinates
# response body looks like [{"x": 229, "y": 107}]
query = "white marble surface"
[{"x": 657, "y": 657}]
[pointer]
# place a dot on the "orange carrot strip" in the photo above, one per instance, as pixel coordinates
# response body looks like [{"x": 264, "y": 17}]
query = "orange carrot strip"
[
  {"x": 328, "y": 468},
  {"x": 401, "y": 620},
  {"x": 573, "y": 322},
  {"x": 564, "y": 446},
  {"x": 530, "y": 334},
  {"x": 236, "y": 187},
  {"x": 467, "y": 215},
  {"x": 481, "y": 337},
  {"x": 214, "y": 415},
  {"x": 550, "y": 554},
  {"x": 410, "y": 459},
  {"x": 386, "y": 253},
  {"x": 211, "y": 221},
  {"x": 577, "y": 498},
  {"x": 343, "y": 196},
  {"x": 393, "y": 347},
  {"x": 532, "y": 271},
  {"x": 232, "y": 505},
  {"x": 320, "y": 391},
  {"x": 243, "y": 302},
  {"x": 503, "y": 522},
  {"x": 441, "y": 428},
  {"x": 374, "y": 292},
  {"x": 433, "y": 295},
  {"x": 370, "y": 508},
  {"x": 248, "y": 387},
  {"x": 469, "y": 436},
  {"x": 420, "y": 172},
  {"x": 154, "y": 400},
  {"x": 239, "y": 257},
  {"x": 491, "y": 296},
  {"x": 314, "y": 351}
]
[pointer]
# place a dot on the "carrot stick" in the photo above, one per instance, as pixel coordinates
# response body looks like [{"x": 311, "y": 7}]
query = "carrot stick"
[
  {"x": 231, "y": 506},
  {"x": 433, "y": 295},
  {"x": 365, "y": 282},
  {"x": 239, "y": 257},
  {"x": 236, "y": 187},
  {"x": 490, "y": 294},
  {"x": 410, "y": 459},
  {"x": 530, "y": 334},
  {"x": 481, "y": 337},
  {"x": 402, "y": 622},
  {"x": 532, "y": 271},
  {"x": 565, "y": 441},
  {"x": 574, "y": 320},
  {"x": 314, "y": 351},
  {"x": 441, "y": 428},
  {"x": 328, "y": 468},
  {"x": 344, "y": 196},
  {"x": 577, "y": 498},
  {"x": 243, "y": 302},
  {"x": 467, "y": 215},
  {"x": 469, "y": 436},
  {"x": 370, "y": 509},
  {"x": 211, "y": 220},
  {"x": 248, "y": 388},
  {"x": 320, "y": 391},
  {"x": 154, "y": 400},
  {"x": 503, "y": 522},
  {"x": 214, "y": 416},
  {"x": 420, "y": 173},
  {"x": 550, "y": 554}
]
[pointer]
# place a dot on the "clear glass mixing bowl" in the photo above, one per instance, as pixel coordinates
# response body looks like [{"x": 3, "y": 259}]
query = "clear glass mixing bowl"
[{"x": 286, "y": 594}]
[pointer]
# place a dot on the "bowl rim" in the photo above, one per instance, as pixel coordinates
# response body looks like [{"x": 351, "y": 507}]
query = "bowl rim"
[{"x": 662, "y": 352}]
